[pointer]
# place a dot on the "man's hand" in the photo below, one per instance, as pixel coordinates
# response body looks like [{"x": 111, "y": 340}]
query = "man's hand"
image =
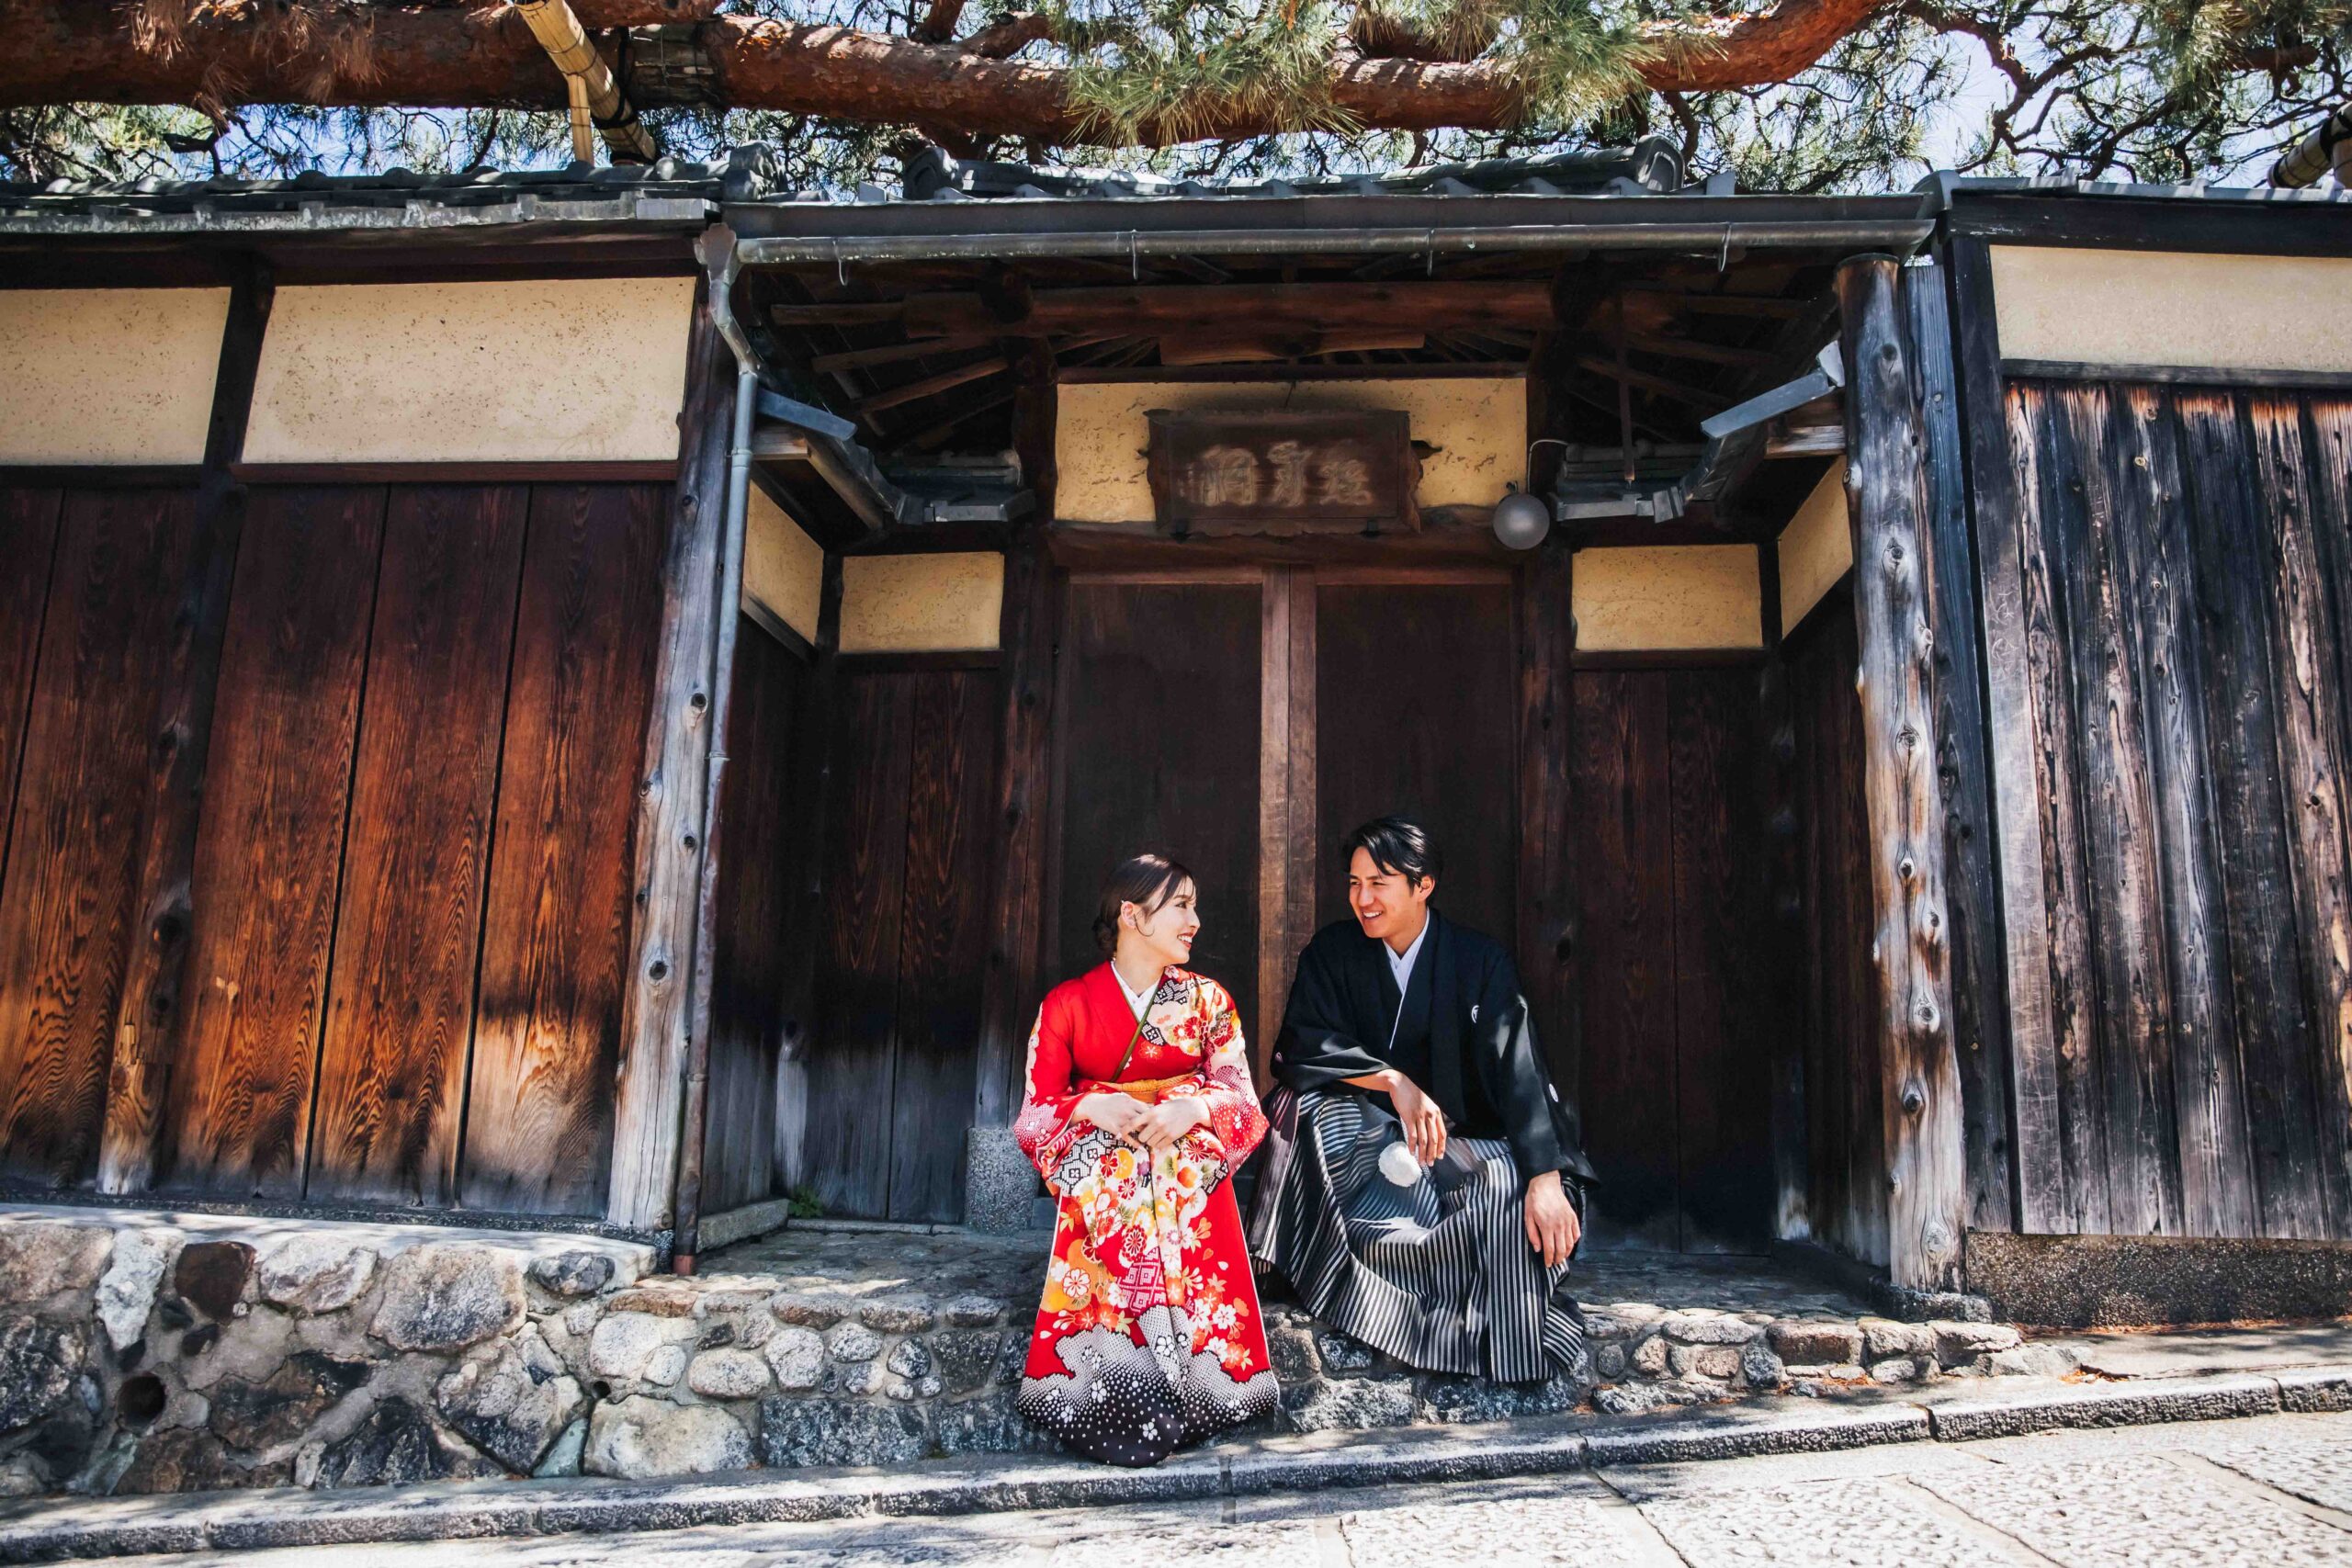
[
  {"x": 1551, "y": 1228},
  {"x": 1162, "y": 1124},
  {"x": 1117, "y": 1114},
  {"x": 1424, "y": 1122}
]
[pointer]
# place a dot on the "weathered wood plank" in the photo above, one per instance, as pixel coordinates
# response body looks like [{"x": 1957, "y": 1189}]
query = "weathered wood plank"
[
  {"x": 269, "y": 850},
  {"x": 749, "y": 1009},
  {"x": 1783, "y": 935},
  {"x": 1980, "y": 1000},
  {"x": 2001, "y": 524},
  {"x": 1011, "y": 988},
  {"x": 650, "y": 1083},
  {"x": 2304, "y": 659},
  {"x": 1627, "y": 968},
  {"x": 852, "y": 1056},
  {"x": 2104, "y": 587},
  {"x": 2330, "y": 450},
  {"x": 1277, "y": 951},
  {"x": 1886, "y": 486},
  {"x": 400, "y": 1008},
  {"x": 2229, "y": 556},
  {"x": 1546, "y": 904},
  {"x": 28, "y": 517},
  {"x": 811, "y": 789},
  {"x": 1723, "y": 1037},
  {"x": 2075, "y": 1197},
  {"x": 943, "y": 940},
  {"x": 70, "y": 903},
  {"x": 556, "y": 916},
  {"x": 2215, "y": 1170},
  {"x": 1308, "y": 849},
  {"x": 149, "y": 1015}
]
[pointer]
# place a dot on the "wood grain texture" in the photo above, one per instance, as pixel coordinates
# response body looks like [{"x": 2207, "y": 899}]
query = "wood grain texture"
[
  {"x": 673, "y": 781},
  {"x": 851, "y": 1057},
  {"x": 69, "y": 904},
  {"x": 399, "y": 1015},
  {"x": 1011, "y": 988},
  {"x": 269, "y": 850},
  {"x": 2329, "y": 448},
  {"x": 943, "y": 940},
  {"x": 1886, "y": 489},
  {"x": 1844, "y": 1130},
  {"x": 1416, "y": 713},
  {"x": 2267, "y": 990},
  {"x": 751, "y": 1010},
  {"x": 1278, "y": 804},
  {"x": 548, "y": 1023},
  {"x": 1724, "y": 1026},
  {"x": 1625, "y": 852},
  {"x": 1980, "y": 994},
  {"x": 28, "y": 517},
  {"x": 2037, "y": 1157},
  {"x": 1160, "y": 711},
  {"x": 1546, "y": 904}
]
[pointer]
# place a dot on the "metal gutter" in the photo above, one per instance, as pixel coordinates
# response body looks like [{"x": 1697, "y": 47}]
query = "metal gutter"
[{"x": 1896, "y": 235}]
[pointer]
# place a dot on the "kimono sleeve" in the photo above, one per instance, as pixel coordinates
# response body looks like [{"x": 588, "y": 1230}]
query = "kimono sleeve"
[
  {"x": 1316, "y": 1049},
  {"x": 1510, "y": 1068},
  {"x": 1048, "y": 1121},
  {"x": 1224, "y": 1077}
]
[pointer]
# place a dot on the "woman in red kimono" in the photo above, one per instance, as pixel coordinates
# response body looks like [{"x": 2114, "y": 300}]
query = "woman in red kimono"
[{"x": 1138, "y": 1107}]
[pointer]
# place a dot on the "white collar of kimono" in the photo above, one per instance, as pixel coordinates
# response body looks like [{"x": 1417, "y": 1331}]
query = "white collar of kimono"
[
  {"x": 1141, "y": 999},
  {"x": 1401, "y": 964}
]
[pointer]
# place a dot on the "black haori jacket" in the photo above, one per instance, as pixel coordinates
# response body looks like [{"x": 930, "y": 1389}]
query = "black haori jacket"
[{"x": 1464, "y": 1038}]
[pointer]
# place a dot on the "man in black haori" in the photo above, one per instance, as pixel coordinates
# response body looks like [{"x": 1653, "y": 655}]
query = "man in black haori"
[{"x": 1424, "y": 1185}]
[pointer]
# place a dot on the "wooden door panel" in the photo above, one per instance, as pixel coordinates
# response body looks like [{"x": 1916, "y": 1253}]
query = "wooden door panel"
[
  {"x": 1159, "y": 741},
  {"x": 1416, "y": 713}
]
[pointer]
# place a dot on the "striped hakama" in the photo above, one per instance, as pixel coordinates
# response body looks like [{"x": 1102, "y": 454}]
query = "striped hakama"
[{"x": 1438, "y": 1274}]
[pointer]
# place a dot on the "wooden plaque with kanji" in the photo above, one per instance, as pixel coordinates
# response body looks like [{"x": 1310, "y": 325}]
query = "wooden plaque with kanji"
[{"x": 1283, "y": 472}]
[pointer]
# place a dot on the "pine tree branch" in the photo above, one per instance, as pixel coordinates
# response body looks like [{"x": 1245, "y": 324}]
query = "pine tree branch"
[{"x": 469, "y": 57}]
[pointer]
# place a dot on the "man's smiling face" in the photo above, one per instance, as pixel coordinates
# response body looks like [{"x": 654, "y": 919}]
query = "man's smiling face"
[{"x": 1388, "y": 904}]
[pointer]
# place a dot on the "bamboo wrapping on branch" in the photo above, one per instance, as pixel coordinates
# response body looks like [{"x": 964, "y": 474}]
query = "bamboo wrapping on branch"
[{"x": 560, "y": 34}]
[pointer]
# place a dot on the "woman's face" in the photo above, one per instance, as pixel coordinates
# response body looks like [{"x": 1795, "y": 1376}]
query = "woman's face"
[{"x": 1166, "y": 933}]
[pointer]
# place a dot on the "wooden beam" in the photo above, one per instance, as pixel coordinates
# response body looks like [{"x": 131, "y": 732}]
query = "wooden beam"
[
  {"x": 650, "y": 1084},
  {"x": 1627, "y": 376},
  {"x": 1211, "y": 311},
  {"x": 1723, "y": 304},
  {"x": 1887, "y": 482},
  {"x": 1548, "y": 880},
  {"x": 891, "y": 353},
  {"x": 1691, "y": 349},
  {"x": 1272, "y": 344},
  {"x": 2036, "y": 1144},
  {"x": 845, "y": 313},
  {"x": 148, "y": 1016},
  {"x": 929, "y": 386}
]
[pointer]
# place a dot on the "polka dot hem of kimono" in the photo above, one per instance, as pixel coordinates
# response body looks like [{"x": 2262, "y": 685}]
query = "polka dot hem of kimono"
[{"x": 1149, "y": 1336}]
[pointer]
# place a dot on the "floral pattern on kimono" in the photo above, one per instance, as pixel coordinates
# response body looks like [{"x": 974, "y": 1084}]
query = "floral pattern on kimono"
[{"x": 1150, "y": 1334}]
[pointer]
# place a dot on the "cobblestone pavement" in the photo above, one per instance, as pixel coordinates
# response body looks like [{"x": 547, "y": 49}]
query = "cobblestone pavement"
[{"x": 2275, "y": 1490}]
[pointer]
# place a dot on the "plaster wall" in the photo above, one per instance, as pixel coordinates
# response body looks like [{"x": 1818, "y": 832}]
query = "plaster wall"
[
  {"x": 1817, "y": 547},
  {"x": 2173, "y": 307},
  {"x": 538, "y": 370},
  {"x": 109, "y": 375},
  {"x": 924, "y": 604},
  {"x": 784, "y": 569},
  {"x": 1478, "y": 427},
  {"x": 1664, "y": 597}
]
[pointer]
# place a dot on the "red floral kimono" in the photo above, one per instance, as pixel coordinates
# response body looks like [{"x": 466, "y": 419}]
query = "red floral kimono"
[{"x": 1149, "y": 1336}]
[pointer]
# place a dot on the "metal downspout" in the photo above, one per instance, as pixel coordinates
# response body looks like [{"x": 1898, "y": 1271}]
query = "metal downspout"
[{"x": 717, "y": 249}]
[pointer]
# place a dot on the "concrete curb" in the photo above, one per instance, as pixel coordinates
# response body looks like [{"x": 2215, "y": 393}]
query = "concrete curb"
[{"x": 49, "y": 1532}]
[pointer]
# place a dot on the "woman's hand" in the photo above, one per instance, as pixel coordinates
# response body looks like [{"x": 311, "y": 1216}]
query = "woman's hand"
[
  {"x": 1551, "y": 1228},
  {"x": 1424, "y": 1123},
  {"x": 1160, "y": 1125},
  {"x": 1117, "y": 1114}
]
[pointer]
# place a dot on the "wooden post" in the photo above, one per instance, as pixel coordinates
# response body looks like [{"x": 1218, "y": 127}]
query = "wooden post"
[
  {"x": 1547, "y": 884},
  {"x": 1784, "y": 941},
  {"x": 148, "y": 1015},
  {"x": 1886, "y": 485},
  {"x": 651, "y": 1082}
]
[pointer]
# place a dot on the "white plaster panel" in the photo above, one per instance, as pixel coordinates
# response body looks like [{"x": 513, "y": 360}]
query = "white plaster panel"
[
  {"x": 1478, "y": 426},
  {"x": 109, "y": 375},
  {"x": 1817, "y": 547},
  {"x": 539, "y": 370},
  {"x": 927, "y": 603},
  {"x": 2235, "y": 312},
  {"x": 784, "y": 569},
  {"x": 1668, "y": 596}
]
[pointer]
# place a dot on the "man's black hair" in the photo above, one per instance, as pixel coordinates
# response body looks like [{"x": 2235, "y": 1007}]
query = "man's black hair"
[{"x": 1396, "y": 844}]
